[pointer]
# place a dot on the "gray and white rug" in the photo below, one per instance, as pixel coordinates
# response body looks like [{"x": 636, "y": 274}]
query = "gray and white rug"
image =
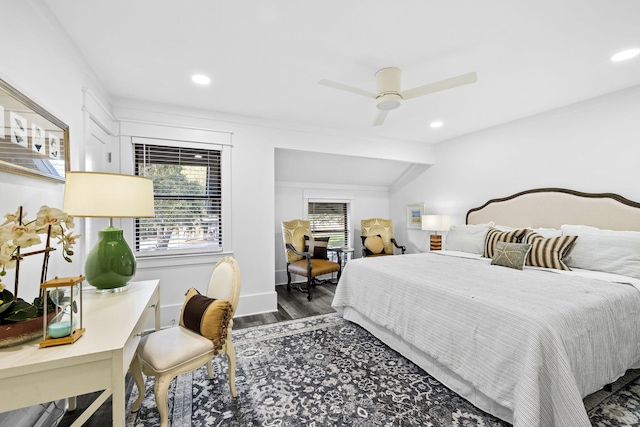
[{"x": 325, "y": 371}]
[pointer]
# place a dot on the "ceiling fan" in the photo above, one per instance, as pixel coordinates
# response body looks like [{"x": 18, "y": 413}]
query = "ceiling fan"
[{"x": 389, "y": 95}]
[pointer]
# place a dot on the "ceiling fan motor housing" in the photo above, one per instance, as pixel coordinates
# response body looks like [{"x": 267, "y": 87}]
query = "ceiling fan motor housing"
[{"x": 388, "y": 88}]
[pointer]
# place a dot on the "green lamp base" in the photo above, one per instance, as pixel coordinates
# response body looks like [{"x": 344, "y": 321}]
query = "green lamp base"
[{"x": 111, "y": 263}]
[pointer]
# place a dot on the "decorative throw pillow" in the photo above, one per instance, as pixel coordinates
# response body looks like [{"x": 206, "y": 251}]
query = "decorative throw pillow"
[
  {"x": 548, "y": 253},
  {"x": 494, "y": 236},
  {"x": 512, "y": 255},
  {"x": 467, "y": 238},
  {"x": 207, "y": 316},
  {"x": 316, "y": 246},
  {"x": 374, "y": 244}
]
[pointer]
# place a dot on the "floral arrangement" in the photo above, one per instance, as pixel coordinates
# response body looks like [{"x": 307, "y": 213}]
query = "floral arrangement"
[{"x": 17, "y": 234}]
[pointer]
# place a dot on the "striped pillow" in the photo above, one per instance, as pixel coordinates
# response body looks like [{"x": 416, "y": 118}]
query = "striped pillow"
[
  {"x": 494, "y": 236},
  {"x": 548, "y": 253}
]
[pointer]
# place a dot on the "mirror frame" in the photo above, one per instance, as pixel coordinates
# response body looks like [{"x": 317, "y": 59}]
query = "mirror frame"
[{"x": 21, "y": 120}]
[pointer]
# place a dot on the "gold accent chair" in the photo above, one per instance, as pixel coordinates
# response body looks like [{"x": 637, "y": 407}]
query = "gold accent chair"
[
  {"x": 307, "y": 256},
  {"x": 170, "y": 352},
  {"x": 377, "y": 237}
]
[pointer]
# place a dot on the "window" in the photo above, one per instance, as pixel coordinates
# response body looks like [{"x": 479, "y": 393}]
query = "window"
[
  {"x": 187, "y": 185},
  {"x": 330, "y": 219}
]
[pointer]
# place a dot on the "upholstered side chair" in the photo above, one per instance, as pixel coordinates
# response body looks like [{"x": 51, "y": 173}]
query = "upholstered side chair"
[
  {"x": 307, "y": 256},
  {"x": 377, "y": 237},
  {"x": 170, "y": 352}
]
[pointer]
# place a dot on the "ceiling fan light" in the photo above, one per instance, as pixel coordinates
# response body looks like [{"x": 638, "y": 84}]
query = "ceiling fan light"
[{"x": 388, "y": 101}]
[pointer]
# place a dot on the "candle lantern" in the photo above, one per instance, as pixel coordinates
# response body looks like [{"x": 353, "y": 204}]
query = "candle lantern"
[{"x": 65, "y": 327}]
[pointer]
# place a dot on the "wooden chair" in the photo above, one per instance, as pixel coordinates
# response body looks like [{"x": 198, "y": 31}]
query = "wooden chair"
[
  {"x": 381, "y": 241},
  {"x": 307, "y": 256},
  {"x": 170, "y": 352}
]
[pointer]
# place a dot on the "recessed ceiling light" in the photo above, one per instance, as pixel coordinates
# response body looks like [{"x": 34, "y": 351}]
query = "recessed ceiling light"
[
  {"x": 201, "y": 79},
  {"x": 436, "y": 124},
  {"x": 625, "y": 54}
]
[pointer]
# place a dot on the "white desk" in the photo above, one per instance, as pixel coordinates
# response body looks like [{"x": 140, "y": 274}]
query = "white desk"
[{"x": 99, "y": 360}]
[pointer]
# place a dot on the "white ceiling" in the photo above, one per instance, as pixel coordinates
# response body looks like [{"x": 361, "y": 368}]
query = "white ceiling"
[
  {"x": 266, "y": 57},
  {"x": 308, "y": 167}
]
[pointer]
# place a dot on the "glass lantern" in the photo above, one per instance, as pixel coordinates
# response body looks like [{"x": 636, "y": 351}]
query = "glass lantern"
[{"x": 65, "y": 326}]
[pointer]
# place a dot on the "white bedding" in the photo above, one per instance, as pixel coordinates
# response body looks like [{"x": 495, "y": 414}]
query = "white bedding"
[{"x": 532, "y": 342}]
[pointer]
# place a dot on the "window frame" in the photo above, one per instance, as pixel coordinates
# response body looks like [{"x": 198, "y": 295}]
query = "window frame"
[
  {"x": 225, "y": 170},
  {"x": 348, "y": 207}
]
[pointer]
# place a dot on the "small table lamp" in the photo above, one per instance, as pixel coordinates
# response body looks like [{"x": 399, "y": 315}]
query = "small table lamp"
[
  {"x": 111, "y": 263},
  {"x": 436, "y": 223}
]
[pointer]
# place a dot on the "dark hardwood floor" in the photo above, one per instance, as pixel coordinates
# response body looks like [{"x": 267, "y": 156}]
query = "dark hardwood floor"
[{"x": 291, "y": 306}]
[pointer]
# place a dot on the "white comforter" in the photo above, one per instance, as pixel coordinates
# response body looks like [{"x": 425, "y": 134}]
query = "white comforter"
[{"x": 532, "y": 341}]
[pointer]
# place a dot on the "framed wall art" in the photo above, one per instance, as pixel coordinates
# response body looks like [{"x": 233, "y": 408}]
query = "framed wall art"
[
  {"x": 32, "y": 141},
  {"x": 414, "y": 215}
]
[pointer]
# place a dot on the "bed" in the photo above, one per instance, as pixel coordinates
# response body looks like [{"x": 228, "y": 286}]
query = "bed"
[{"x": 526, "y": 345}]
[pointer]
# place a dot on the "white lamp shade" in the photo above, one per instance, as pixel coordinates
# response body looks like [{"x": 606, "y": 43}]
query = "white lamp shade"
[
  {"x": 107, "y": 195},
  {"x": 436, "y": 222}
]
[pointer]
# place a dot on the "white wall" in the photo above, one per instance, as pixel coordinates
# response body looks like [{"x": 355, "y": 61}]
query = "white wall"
[
  {"x": 38, "y": 61},
  {"x": 255, "y": 228},
  {"x": 365, "y": 202},
  {"x": 592, "y": 146}
]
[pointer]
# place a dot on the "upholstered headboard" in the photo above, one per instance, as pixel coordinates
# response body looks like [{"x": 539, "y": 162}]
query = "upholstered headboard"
[{"x": 552, "y": 207}]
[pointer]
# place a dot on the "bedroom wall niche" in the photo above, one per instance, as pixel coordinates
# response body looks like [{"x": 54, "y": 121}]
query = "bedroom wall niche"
[
  {"x": 591, "y": 146},
  {"x": 290, "y": 198}
]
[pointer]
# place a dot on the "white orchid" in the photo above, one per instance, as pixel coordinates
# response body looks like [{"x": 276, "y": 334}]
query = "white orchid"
[
  {"x": 16, "y": 233},
  {"x": 6, "y": 255},
  {"x": 13, "y": 218},
  {"x": 25, "y": 236}
]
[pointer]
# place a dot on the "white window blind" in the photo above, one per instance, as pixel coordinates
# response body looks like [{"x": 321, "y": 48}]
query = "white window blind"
[
  {"x": 330, "y": 219},
  {"x": 187, "y": 186}
]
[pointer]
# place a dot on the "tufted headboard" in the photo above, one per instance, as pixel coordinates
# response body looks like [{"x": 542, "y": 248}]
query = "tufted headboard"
[{"x": 552, "y": 207}]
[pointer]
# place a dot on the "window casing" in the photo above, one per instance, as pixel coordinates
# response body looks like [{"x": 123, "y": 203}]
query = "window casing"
[
  {"x": 330, "y": 219},
  {"x": 188, "y": 187}
]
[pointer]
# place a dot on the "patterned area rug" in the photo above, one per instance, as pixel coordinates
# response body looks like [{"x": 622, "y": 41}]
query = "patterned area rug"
[{"x": 325, "y": 371}]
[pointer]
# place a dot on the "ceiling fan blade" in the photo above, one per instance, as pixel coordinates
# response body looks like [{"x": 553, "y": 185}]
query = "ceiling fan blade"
[
  {"x": 438, "y": 86},
  {"x": 344, "y": 87},
  {"x": 382, "y": 114}
]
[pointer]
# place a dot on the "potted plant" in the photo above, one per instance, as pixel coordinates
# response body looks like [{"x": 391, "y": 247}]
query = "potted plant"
[{"x": 19, "y": 320}]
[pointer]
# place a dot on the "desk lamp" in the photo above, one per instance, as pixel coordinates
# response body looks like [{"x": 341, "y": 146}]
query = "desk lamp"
[
  {"x": 111, "y": 263},
  {"x": 436, "y": 223}
]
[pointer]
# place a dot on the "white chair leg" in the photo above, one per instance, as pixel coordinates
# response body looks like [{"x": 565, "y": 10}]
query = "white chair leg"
[
  {"x": 231, "y": 357},
  {"x": 161, "y": 390},
  {"x": 136, "y": 373},
  {"x": 210, "y": 368}
]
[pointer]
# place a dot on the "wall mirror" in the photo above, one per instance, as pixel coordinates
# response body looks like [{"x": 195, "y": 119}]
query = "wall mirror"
[{"x": 32, "y": 141}]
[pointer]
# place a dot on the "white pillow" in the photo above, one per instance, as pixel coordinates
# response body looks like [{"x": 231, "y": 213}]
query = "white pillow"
[
  {"x": 504, "y": 228},
  {"x": 467, "y": 238},
  {"x": 548, "y": 233},
  {"x": 610, "y": 251},
  {"x": 544, "y": 232}
]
